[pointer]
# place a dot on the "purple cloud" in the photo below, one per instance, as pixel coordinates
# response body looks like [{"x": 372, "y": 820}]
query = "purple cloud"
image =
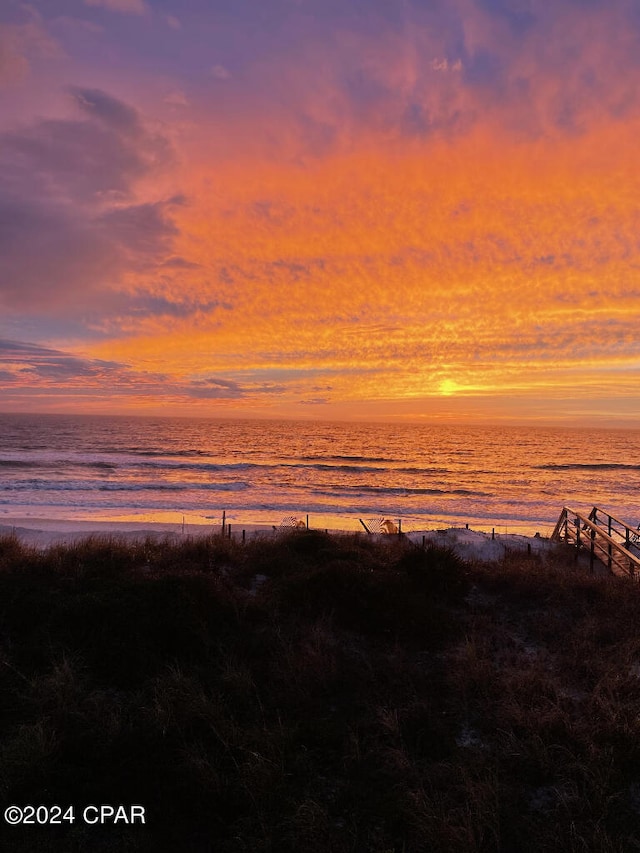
[
  {"x": 69, "y": 225},
  {"x": 128, "y": 7},
  {"x": 28, "y": 359},
  {"x": 25, "y": 365}
]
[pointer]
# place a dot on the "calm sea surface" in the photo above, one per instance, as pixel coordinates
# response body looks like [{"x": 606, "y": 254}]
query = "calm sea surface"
[{"x": 510, "y": 478}]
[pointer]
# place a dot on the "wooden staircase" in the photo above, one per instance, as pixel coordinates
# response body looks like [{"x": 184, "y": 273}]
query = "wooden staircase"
[{"x": 605, "y": 537}]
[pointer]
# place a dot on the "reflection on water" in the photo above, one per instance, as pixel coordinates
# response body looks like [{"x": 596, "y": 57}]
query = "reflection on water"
[{"x": 259, "y": 471}]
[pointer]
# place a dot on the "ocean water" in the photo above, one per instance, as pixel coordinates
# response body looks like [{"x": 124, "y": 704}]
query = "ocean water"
[{"x": 513, "y": 479}]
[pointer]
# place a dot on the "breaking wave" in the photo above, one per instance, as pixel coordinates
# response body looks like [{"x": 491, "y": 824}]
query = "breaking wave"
[{"x": 589, "y": 466}]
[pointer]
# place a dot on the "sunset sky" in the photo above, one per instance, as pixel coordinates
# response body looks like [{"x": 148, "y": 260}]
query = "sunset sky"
[{"x": 385, "y": 209}]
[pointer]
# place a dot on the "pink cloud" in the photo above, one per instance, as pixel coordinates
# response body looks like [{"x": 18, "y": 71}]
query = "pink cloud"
[
  {"x": 20, "y": 43},
  {"x": 220, "y": 72}
]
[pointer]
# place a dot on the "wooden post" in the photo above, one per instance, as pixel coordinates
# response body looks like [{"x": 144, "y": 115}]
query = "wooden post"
[
  {"x": 229, "y": 529},
  {"x": 424, "y": 539},
  {"x": 399, "y": 528},
  {"x": 183, "y": 525},
  {"x": 307, "y": 521},
  {"x": 224, "y": 515},
  {"x": 592, "y": 551},
  {"x": 493, "y": 533},
  {"x": 467, "y": 525},
  {"x": 243, "y": 532}
]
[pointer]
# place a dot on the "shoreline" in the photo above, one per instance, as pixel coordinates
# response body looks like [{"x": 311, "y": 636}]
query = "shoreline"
[{"x": 43, "y": 533}]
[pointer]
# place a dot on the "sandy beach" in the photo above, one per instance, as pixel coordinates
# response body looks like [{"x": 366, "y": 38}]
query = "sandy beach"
[{"x": 43, "y": 533}]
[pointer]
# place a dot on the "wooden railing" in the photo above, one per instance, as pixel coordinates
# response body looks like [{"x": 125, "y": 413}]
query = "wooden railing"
[
  {"x": 628, "y": 536},
  {"x": 607, "y": 539}
]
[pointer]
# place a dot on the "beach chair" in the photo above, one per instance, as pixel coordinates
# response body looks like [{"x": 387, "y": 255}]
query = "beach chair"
[
  {"x": 379, "y": 525},
  {"x": 291, "y": 521}
]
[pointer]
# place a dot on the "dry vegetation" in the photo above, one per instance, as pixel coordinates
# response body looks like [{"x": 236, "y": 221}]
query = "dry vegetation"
[{"x": 314, "y": 693}]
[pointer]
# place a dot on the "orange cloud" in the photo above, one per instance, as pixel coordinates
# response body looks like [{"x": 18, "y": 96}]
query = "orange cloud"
[
  {"x": 486, "y": 267},
  {"x": 402, "y": 220}
]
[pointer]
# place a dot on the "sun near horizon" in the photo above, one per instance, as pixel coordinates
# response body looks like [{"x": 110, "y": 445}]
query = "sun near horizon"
[{"x": 321, "y": 213}]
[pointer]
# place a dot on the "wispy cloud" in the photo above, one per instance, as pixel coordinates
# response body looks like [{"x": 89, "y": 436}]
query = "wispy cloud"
[
  {"x": 29, "y": 362},
  {"x": 177, "y": 99},
  {"x": 129, "y": 7},
  {"x": 220, "y": 72},
  {"x": 22, "y": 42}
]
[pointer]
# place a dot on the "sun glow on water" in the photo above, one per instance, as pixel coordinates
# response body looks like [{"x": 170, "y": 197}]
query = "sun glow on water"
[{"x": 264, "y": 471}]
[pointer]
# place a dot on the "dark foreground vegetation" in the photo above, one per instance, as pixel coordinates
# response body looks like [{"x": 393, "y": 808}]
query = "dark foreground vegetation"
[{"x": 310, "y": 693}]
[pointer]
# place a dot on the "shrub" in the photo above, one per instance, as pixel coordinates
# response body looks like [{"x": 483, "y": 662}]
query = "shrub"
[
  {"x": 435, "y": 570},
  {"x": 348, "y": 703}
]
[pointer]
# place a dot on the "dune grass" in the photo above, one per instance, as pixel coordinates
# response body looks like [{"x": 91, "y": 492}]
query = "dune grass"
[{"x": 307, "y": 692}]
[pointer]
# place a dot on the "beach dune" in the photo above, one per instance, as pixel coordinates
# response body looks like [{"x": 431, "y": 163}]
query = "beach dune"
[{"x": 43, "y": 533}]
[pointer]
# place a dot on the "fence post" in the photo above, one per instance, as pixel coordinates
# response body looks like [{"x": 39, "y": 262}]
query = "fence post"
[{"x": 592, "y": 550}]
